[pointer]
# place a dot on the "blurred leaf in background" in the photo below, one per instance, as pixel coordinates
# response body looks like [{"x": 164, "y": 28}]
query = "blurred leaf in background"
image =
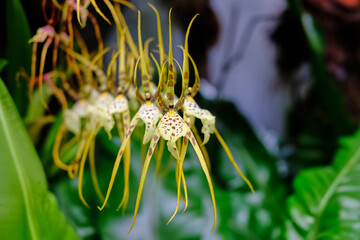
[
  {"x": 17, "y": 52},
  {"x": 28, "y": 210},
  {"x": 3, "y": 63},
  {"x": 262, "y": 214},
  {"x": 318, "y": 118},
  {"x": 326, "y": 202}
]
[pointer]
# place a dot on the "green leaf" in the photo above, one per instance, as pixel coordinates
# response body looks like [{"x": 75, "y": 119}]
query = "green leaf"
[
  {"x": 18, "y": 52},
  {"x": 27, "y": 209},
  {"x": 326, "y": 202},
  {"x": 3, "y": 64}
]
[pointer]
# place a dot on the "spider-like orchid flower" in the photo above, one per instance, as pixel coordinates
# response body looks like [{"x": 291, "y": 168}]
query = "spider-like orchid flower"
[
  {"x": 148, "y": 111},
  {"x": 46, "y": 35},
  {"x": 171, "y": 128},
  {"x": 97, "y": 110}
]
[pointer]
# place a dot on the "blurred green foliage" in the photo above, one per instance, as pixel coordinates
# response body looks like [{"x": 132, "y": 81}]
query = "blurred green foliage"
[
  {"x": 17, "y": 52},
  {"x": 326, "y": 199},
  {"x": 315, "y": 124},
  {"x": 28, "y": 210}
]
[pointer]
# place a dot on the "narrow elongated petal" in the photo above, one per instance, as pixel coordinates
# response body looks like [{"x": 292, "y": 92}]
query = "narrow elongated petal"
[
  {"x": 42, "y": 65},
  {"x": 150, "y": 152},
  {"x": 56, "y": 148},
  {"x": 179, "y": 178},
  {"x": 82, "y": 164},
  {"x": 118, "y": 158},
  {"x": 93, "y": 171},
  {"x": 193, "y": 142},
  {"x": 231, "y": 158},
  {"x": 81, "y": 11},
  {"x": 97, "y": 9},
  {"x": 125, "y": 199},
  {"x": 202, "y": 147}
]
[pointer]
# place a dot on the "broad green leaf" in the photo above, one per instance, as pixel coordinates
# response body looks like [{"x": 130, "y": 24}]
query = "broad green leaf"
[
  {"x": 326, "y": 202},
  {"x": 18, "y": 52},
  {"x": 27, "y": 209}
]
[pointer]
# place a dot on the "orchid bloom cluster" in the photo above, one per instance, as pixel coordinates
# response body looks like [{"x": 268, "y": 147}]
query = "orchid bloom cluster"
[{"x": 100, "y": 99}]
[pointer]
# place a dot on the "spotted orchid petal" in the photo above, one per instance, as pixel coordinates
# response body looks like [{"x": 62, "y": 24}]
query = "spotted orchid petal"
[
  {"x": 72, "y": 121},
  {"x": 43, "y": 33},
  {"x": 99, "y": 113},
  {"x": 93, "y": 94},
  {"x": 124, "y": 143},
  {"x": 208, "y": 120},
  {"x": 72, "y": 117},
  {"x": 104, "y": 101},
  {"x": 119, "y": 105},
  {"x": 172, "y": 127},
  {"x": 81, "y": 107},
  {"x": 103, "y": 119},
  {"x": 150, "y": 114}
]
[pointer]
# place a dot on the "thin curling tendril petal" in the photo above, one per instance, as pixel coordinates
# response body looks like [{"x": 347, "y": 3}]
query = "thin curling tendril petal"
[{"x": 231, "y": 158}]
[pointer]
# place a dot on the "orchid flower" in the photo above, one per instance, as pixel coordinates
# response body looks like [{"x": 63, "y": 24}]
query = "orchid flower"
[
  {"x": 103, "y": 99},
  {"x": 148, "y": 111},
  {"x": 44, "y": 34},
  {"x": 171, "y": 128},
  {"x": 98, "y": 112}
]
